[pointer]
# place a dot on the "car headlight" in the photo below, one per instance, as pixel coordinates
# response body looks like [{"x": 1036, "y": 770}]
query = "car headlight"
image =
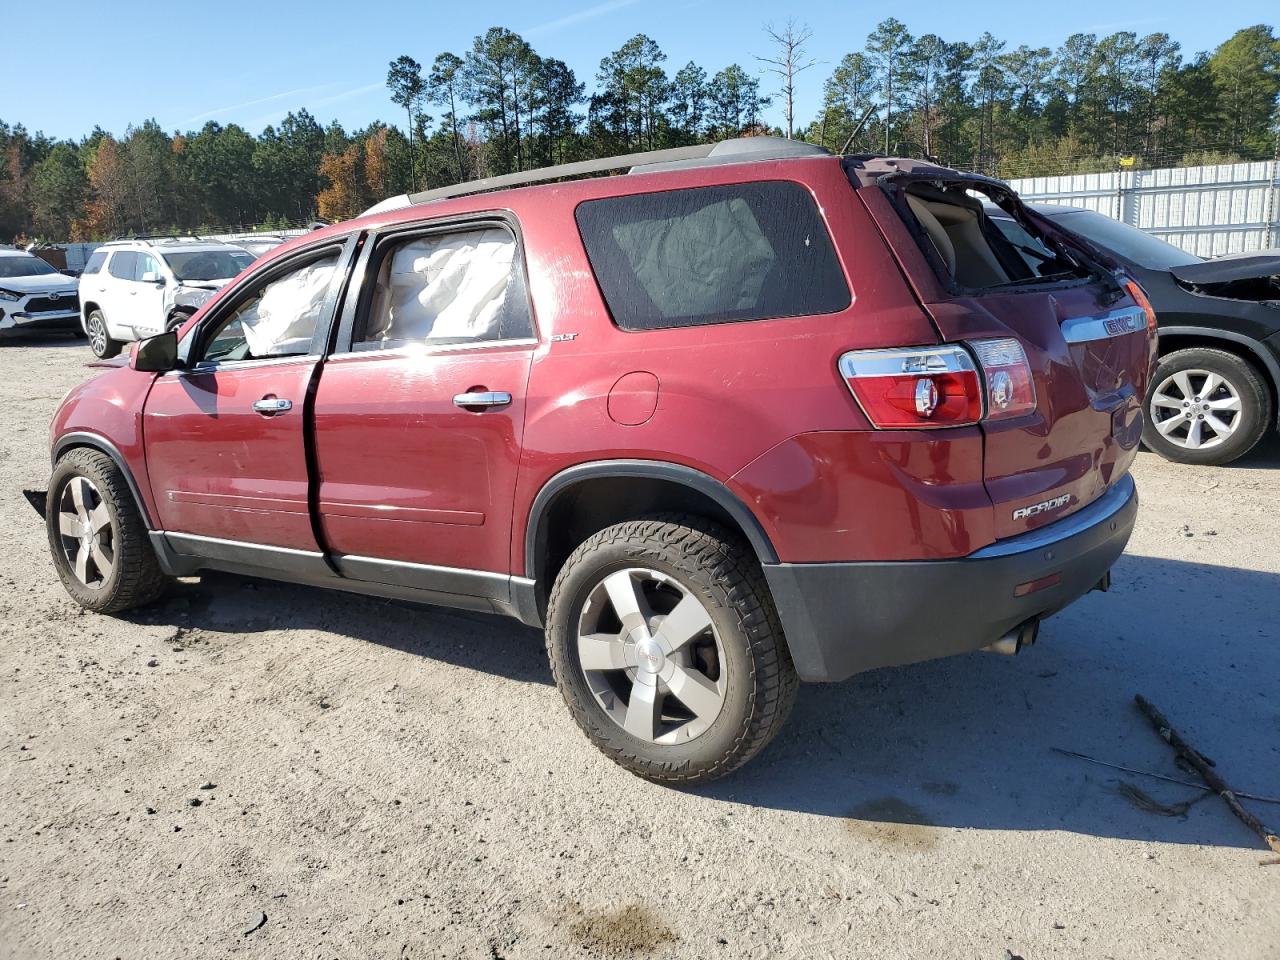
[{"x": 10, "y": 295}]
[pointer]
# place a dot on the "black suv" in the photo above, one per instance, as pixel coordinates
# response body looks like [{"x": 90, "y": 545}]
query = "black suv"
[{"x": 1214, "y": 394}]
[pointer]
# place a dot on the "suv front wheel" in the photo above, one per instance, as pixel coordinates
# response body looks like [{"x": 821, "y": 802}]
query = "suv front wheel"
[
  {"x": 97, "y": 536},
  {"x": 100, "y": 341},
  {"x": 1206, "y": 406},
  {"x": 665, "y": 644}
]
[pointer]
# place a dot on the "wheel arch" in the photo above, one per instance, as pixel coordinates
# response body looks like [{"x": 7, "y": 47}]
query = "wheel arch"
[
  {"x": 83, "y": 440},
  {"x": 1186, "y": 337},
  {"x": 588, "y": 497}
]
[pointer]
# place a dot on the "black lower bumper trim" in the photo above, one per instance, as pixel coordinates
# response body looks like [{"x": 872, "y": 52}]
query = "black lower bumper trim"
[{"x": 844, "y": 618}]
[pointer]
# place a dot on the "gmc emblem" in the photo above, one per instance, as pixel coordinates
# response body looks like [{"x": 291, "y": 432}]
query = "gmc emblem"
[
  {"x": 1044, "y": 506},
  {"x": 1118, "y": 326}
]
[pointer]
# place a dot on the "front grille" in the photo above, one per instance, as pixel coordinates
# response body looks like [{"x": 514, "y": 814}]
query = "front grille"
[{"x": 64, "y": 303}]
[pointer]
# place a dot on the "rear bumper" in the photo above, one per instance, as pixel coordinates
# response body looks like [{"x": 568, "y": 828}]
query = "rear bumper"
[{"x": 843, "y": 618}]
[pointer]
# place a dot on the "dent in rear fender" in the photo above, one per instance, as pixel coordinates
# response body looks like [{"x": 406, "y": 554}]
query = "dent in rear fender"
[{"x": 871, "y": 495}]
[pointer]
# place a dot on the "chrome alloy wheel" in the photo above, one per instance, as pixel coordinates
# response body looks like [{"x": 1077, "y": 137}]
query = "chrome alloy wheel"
[
  {"x": 651, "y": 656},
  {"x": 1195, "y": 409},
  {"x": 88, "y": 538},
  {"x": 97, "y": 334}
]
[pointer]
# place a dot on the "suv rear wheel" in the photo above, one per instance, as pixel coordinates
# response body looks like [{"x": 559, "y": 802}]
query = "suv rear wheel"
[
  {"x": 1206, "y": 406},
  {"x": 667, "y": 649},
  {"x": 97, "y": 536},
  {"x": 100, "y": 342}
]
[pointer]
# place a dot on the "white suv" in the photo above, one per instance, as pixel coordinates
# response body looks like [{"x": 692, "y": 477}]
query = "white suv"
[
  {"x": 133, "y": 289},
  {"x": 34, "y": 296}
]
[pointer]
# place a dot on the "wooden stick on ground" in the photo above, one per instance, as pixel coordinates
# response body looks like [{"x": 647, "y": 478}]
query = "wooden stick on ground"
[{"x": 1207, "y": 772}]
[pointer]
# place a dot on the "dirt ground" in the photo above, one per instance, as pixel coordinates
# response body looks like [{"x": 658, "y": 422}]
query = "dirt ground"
[{"x": 258, "y": 770}]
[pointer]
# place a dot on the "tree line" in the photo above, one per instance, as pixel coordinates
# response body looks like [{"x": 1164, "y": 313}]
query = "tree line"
[{"x": 499, "y": 106}]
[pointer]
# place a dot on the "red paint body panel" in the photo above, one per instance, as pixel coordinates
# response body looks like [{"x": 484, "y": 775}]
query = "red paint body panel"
[
  {"x": 404, "y": 474},
  {"x": 110, "y": 406},
  {"x": 871, "y": 495},
  {"x": 1084, "y": 433},
  {"x": 220, "y": 469}
]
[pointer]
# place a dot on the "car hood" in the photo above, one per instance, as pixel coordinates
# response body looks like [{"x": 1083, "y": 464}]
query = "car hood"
[
  {"x": 205, "y": 284},
  {"x": 43, "y": 283},
  {"x": 1240, "y": 266}
]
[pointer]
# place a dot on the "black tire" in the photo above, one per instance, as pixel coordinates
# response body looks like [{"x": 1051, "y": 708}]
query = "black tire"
[
  {"x": 176, "y": 320},
  {"x": 721, "y": 572},
  {"x": 1249, "y": 425},
  {"x": 135, "y": 578},
  {"x": 100, "y": 342}
]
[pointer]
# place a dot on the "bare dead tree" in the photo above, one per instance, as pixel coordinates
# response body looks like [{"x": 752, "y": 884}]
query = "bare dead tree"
[{"x": 788, "y": 61}]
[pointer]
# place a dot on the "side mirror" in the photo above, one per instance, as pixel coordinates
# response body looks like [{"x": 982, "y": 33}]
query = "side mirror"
[
  {"x": 158, "y": 354},
  {"x": 153, "y": 278}
]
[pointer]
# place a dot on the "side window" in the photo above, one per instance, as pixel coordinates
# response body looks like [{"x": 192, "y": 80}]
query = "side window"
[
  {"x": 277, "y": 318},
  {"x": 122, "y": 264},
  {"x": 678, "y": 258},
  {"x": 94, "y": 263},
  {"x": 454, "y": 287},
  {"x": 147, "y": 270}
]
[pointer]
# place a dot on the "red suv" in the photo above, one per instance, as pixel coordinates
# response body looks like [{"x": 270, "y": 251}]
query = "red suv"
[{"x": 751, "y": 415}]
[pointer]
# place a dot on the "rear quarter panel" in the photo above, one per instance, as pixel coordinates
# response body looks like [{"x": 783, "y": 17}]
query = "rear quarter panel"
[{"x": 728, "y": 393}]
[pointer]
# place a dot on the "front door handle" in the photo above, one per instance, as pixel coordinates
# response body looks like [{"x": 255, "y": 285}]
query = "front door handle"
[
  {"x": 487, "y": 398},
  {"x": 268, "y": 406}
]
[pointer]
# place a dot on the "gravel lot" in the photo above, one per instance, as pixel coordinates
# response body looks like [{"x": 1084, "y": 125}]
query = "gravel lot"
[{"x": 383, "y": 780}]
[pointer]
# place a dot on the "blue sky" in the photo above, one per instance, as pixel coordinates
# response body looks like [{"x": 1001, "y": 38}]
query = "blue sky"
[{"x": 187, "y": 63}]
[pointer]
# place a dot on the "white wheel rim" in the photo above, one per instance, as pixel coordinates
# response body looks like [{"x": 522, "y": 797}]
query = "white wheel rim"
[
  {"x": 651, "y": 656},
  {"x": 97, "y": 335},
  {"x": 86, "y": 533},
  {"x": 1196, "y": 409}
]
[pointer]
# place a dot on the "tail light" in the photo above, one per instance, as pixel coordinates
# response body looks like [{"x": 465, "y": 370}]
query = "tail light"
[
  {"x": 920, "y": 387},
  {"x": 1140, "y": 298},
  {"x": 914, "y": 387},
  {"x": 1011, "y": 389}
]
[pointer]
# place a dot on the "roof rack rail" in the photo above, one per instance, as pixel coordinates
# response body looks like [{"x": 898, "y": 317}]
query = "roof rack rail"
[
  {"x": 740, "y": 149},
  {"x": 581, "y": 168}
]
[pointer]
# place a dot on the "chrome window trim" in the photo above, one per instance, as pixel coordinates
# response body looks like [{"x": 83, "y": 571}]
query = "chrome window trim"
[
  {"x": 204, "y": 368},
  {"x": 1117, "y": 323},
  {"x": 1098, "y": 512},
  {"x": 419, "y": 348}
]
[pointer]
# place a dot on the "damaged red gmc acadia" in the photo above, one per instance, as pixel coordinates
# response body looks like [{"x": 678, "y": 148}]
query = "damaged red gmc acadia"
[{"x": 750, "y": 415}]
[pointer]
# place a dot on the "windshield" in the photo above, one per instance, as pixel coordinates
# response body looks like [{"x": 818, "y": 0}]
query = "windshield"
[
  {"x": 11, "y": 267},
  {"x": 1124, "y": 240},
  {"x": 207, "y": 264}
]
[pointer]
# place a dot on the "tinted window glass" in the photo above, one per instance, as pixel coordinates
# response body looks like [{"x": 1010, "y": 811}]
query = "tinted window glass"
[
  {"x": 122, "y": 264},
  {"x": 95, "y": 262},
  {"x": 449, "y": 288},
  {"x": 1129, "y": 242},
  {"x": 207, "y": 264},
  {"x": 712, "y": 255},
  {"x": 277, "y": 318},
  {"x": 146, "y": 265},
  {"x": 24, "y": 266}
]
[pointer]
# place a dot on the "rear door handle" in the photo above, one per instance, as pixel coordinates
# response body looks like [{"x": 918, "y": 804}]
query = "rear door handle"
[
  {"x": 487, "y": 398},
  {"x": 272, "y": 405}
]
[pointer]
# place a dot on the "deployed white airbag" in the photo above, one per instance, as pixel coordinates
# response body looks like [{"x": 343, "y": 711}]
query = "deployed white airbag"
[
  {"x": 445, "y": 287},
  {"x": 283, "y": 320}
]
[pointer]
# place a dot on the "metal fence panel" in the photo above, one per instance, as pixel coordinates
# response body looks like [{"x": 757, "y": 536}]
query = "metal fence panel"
[{"x": 1209, "y": 211}]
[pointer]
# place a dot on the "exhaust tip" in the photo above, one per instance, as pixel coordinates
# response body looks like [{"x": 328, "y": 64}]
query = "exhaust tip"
[{"x": 1023, "y": 635}]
